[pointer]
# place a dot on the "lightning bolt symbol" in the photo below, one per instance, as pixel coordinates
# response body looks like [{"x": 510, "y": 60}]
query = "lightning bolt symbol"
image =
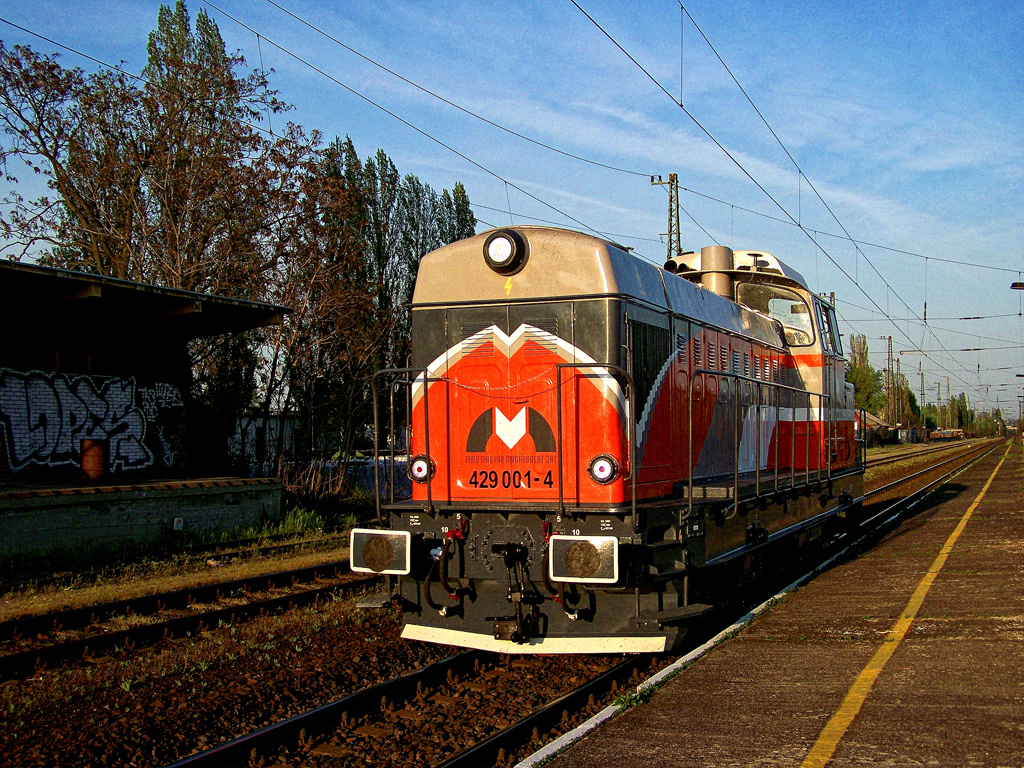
[{"x": 508, "y": 287}]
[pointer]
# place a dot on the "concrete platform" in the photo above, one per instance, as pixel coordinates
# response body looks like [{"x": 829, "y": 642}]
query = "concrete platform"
[{"x": 903, "y": 657}]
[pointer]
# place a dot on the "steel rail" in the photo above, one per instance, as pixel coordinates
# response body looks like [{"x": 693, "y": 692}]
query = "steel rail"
[
  {"x": 912, "y": 498},
  {"x": 909, "y": 455},
  {"x": 233, "y": 548},
  {"x": 27, "y": 663},
  {"x": 486, "y": 752},
  {"x": 237, "y": 752},
  {"x": 545, "y": 753},
  {"x": 543, "y": 719},
  {"x": 78, "y": 618},
  {"x": 926, "y": 470}
]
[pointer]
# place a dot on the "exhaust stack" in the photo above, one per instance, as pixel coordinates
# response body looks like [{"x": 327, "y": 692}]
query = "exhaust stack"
[{"x": 712, "y": 259}]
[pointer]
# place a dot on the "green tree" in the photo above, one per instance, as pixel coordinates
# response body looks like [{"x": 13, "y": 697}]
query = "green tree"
[
  {"x": 866, "y": 379},
  {"x": 165, "y": 182}
]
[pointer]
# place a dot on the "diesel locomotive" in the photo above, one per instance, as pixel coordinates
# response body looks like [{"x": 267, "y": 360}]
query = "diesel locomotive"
[{"x": 600, "y": 448}]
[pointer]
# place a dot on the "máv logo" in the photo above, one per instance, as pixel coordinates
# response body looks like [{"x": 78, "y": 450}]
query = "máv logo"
[{"x": 511, "y": 431}]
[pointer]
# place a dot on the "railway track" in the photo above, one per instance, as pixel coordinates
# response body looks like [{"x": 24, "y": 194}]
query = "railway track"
[
  {"x": 961, "y": 460},
  {"x": 447, "y": 714},
  {"x": 235, "y": 548},
  {"x": 34, "y": 643},
  {"x": 463, "y": 712},
  {"x": 910, "y": 455}
]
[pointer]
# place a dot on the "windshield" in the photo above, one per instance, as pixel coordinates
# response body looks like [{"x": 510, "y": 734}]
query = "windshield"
[{"x": 783, "y": 305}]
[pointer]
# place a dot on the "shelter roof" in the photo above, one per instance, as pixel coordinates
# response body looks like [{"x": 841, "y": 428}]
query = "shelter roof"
[{"x": 32, "y": 292}]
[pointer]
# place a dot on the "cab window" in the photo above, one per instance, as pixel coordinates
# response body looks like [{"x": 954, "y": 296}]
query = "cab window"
[
  {"x": 783, "y": 305},
  {"x": 829, "y": 329},
  {"x": 837, "y": 340}
]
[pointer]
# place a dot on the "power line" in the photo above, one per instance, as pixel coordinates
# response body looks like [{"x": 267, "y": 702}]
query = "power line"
[
  {"x": 335, "y": 80},
  {"x": 555, "y": 223},
  {"x": 753, "y": 180},
  {"x": 615, "y": 168},
  {"x": 451, "y": 103},
  {"x": 536, "y": 142},
  {"x": 400, "y": 119},
  {"x": 848, "y": 236}
]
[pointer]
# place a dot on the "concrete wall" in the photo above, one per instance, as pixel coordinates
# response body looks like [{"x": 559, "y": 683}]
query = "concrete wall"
[{"x": 47, "y": 521}]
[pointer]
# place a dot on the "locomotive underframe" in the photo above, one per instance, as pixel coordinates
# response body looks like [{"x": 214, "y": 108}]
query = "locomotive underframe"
[{"x": 493, "y": 592}]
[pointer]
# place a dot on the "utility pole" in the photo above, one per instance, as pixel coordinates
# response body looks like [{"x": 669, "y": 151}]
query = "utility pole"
[
  {"x": 949, "y": 410},
  {"x": 924, "y": 420},
  {"x": 674, "y": 247},
  {"x": 899, "y": 393},
  {"x": 888, "y": 383}
]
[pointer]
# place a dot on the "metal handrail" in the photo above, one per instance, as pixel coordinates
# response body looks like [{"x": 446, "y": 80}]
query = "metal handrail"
[
  {"x": 630, "y": 435},
  {"x": 761, "y": 385},
  {"x": 408, "y": 452},
  {"x": 427, "y": 380}
]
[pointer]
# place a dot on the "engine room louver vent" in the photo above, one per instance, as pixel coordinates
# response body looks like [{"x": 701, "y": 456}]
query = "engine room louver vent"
[
  {"x": 548, "y": 324},
  {"x": 746, "y": 365},
  {"x": 680, "y": 349},
  {"x": 471, "y": 329},
  {"x": 651, "y": 349},
  {"x": 736, "y": 363},
  {"x": 698, "y": 359},
  {"x": 724, "y": 362}
]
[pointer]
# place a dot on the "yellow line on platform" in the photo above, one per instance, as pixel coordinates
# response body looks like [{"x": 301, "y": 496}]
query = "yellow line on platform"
[{"x": 837, "y": 726}]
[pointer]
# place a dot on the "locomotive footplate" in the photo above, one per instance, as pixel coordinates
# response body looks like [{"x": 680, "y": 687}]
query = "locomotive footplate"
[{"x": 671, "y": 616}]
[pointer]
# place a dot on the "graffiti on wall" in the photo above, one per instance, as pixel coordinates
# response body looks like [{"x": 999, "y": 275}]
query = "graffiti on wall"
[{"x": 45, "y": 417}]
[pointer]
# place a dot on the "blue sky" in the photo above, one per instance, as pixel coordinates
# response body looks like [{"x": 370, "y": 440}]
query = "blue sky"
[{"x": 907, "y": 118}]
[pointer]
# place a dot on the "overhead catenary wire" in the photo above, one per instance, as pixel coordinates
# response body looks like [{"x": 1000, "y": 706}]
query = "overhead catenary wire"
[
  {"x": 401, "y": 119},
  {"x": 583, "y": 159},
  {"x": 451, "y": 103},
  {"x": 761, "y": 187},
  {"x": 620, "y": 169},
  {"x": 333, "y": 79},
  {"x": 688, "y": 190}
]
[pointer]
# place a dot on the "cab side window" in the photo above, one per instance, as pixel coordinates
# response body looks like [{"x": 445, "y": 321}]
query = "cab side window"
[
  {"x": 837, "y": 341},
  {"x": 827, "y": 326}
]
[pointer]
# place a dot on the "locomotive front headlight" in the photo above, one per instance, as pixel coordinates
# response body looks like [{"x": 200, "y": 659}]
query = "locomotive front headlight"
[
  {"x": 385, "y": 552},
  {"x": 603, "y": 469},
  {"x": 421, "y": 469},
  {"x": 505, "y": 251},
  {"x": 591, "y": 559},
  {"x": 500, "y": 251}
]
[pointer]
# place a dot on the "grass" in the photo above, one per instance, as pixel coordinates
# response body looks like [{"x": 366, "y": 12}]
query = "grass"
[
  {"x": 179, "y": 570},
  {"x": 128, "y": 560}
]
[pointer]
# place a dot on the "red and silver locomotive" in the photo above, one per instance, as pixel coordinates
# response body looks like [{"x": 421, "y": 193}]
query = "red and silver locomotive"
[{"x": 598, "y": 445}]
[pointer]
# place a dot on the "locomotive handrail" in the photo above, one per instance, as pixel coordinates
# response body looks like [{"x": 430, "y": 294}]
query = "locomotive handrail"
[
  {"x": 408, "y": 453},
  {"x": 630, "y": 434},
  {"x": 822, "y": 398}
]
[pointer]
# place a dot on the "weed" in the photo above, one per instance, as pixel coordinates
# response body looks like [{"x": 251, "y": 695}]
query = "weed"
[{"x": 633, "y": 698}]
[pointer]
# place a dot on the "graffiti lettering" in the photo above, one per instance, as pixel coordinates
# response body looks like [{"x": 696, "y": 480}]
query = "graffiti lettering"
[{"x": 45, "y": 416}]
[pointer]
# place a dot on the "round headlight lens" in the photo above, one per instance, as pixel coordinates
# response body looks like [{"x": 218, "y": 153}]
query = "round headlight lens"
[
  {"x": 603, "y": 469},
  {"x": 500, "y": 250},
  {"x": 421, "y": 469},
  {"x": 505, "y": 251}
]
